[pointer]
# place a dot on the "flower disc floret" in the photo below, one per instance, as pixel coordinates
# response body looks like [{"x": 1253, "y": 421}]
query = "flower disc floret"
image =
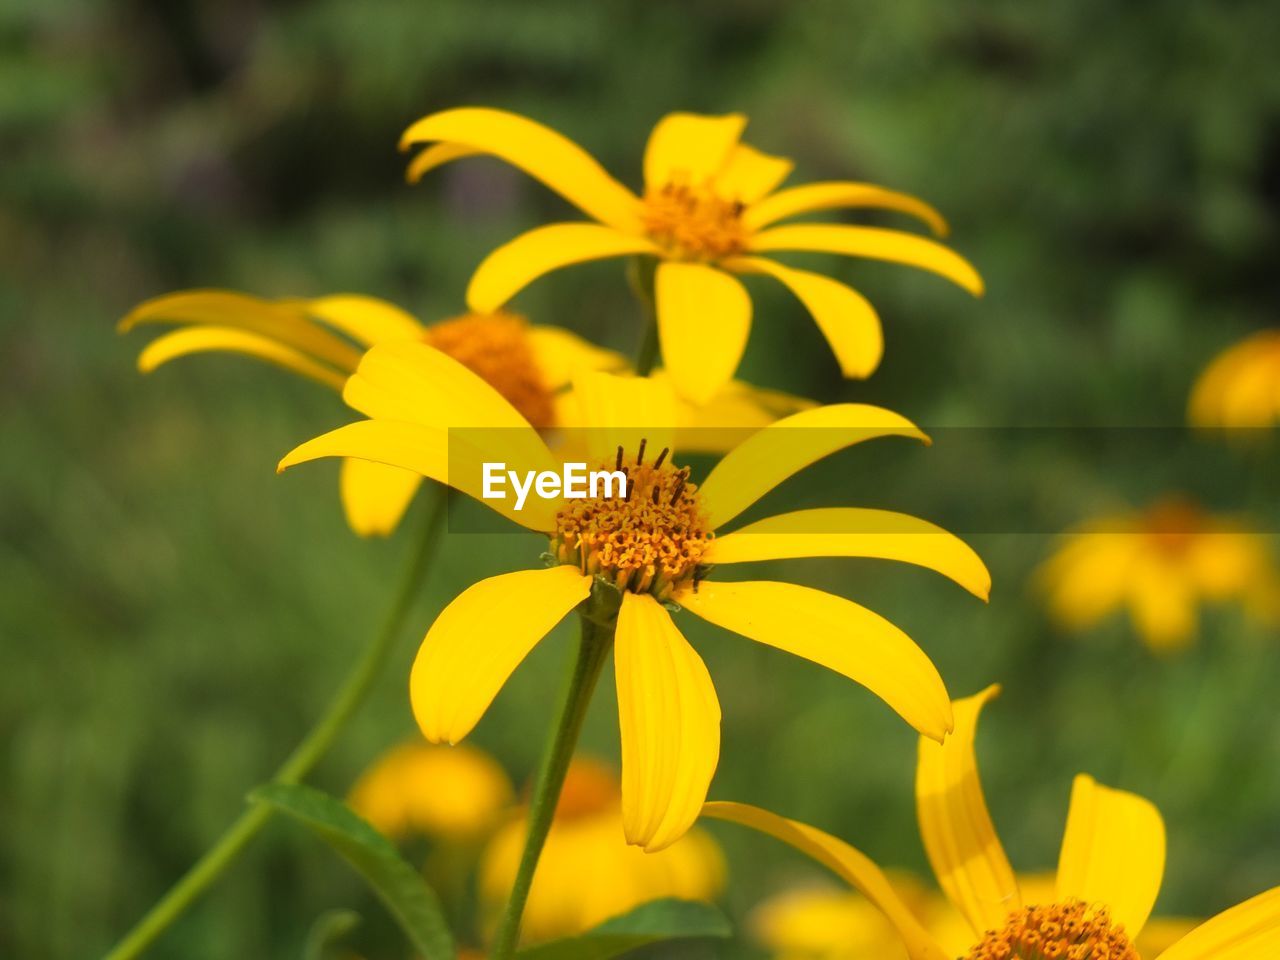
[
  {"x": 1063, "y": 931},
  {"x": 694, "y": 223}
]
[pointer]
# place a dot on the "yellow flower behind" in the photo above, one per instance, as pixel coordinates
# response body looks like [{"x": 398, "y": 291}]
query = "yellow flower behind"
[
  {"x": 710, "y": 208},
  {"x": 1109, "y": 871},
  {"x": 1160, "y": 565},
  {"x": 647, "y": 554},
  {"x": 587, "y": 873},
  {"x": 1241, "y": 387}
]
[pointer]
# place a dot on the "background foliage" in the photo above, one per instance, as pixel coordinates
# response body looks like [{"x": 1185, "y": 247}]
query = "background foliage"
[{"x": 173, "y": 614}]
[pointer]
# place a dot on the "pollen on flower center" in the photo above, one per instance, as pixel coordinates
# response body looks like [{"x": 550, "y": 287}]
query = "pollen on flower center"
[
  {"x": 496, "y": 347},
  {"x": 652, "y": 541},
  {"x": 1063, "y": 931},
  {"x": 694, "y": 223}
]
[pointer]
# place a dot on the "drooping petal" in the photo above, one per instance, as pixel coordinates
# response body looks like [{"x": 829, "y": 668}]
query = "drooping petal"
[
  {"x": 670, "y": 723},
  {"x": 367, "y": 320},
  {"x": 704, "y": 316},
  {"x": 561, "y": 355},
  {"x": 436, "y": 155},
  {"x": 835, "y": 633},
  {"x": 1248, "y": 931},
  {"x": 877, "y": 244},
  {"x": 1113, "y": 852},
  {"x": 537, "y": 150},
  {"x": 785, "y": 447},
  {"x": 375, "y": 496},
  {"x": 1162, "y": 603},
  {"x": 830, "y": 195},
  {"x": 690, "y": 148},
  {"x": 205, "y": 339},
  {"x": 856, "y": 532},
  {"x": 478, "y": 641},
  {"x": 845, "y": 317},
  {"x": 749, "y": 174},
  {"x": 851, "y": 865},
  {"x": 517, "y": 263},
  {"x": 958, "y": 835},
  {"x": 618, "y": 412},
  {"x": 1088, "y": 577}
]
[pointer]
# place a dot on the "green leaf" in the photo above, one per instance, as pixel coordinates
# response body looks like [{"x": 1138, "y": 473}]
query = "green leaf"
[
  {"x": 648, "y": 923},
  {"x": 414, "y": 905},
  {"x": 328, "y": 929}
]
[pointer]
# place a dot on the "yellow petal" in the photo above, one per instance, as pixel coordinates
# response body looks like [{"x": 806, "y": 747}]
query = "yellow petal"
[
  {"x": 366, "y": 320},
  {"x": 877, "y": 244},
  {"x": 830, "y": 195},
  {"x": 1241, "y": 387},
  {"x": 845, "y": 317},
  {"x": 749, "y": 174},
  {"x": 1162, "y": 603},
  {"x": 561, "y": 355},
  {"x": 851, "y": 865},
  {"x": 856, "y": 532},
  {"x": 768, "y": 457},
  {"x": 690, "y": 148},
  {"x": 704, "y": 316},
  {"x": 537, "y": 150},
  {"x": 1088, "y": 577},
  {"x": 670, "y": 723},
  {"x": 734, "y": 413},
  {"x": 835, "y": 633},
  {"x": 478, "y": 641},
  {"x": 204, "y": 339},
  {"x": 283, "y": 321},
  {"x": 621, "y": 412},
  {"x": 958, "y": 835},
  {"x": 1112, "y": 852},
  {"x": 516, "y": 264},
  {"x": 436, "y": 155},
  {"x": 1248, "y": 931},
  {"x": 375, "y": 496}
]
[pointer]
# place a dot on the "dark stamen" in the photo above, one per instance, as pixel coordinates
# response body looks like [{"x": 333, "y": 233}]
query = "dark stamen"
[
  {"x": 655, "y": 493},
  {"x": 618, "y": 462},
  {"x": 640, "y": 455},
  {"x": 679, "y": 488},
  {"x": 662, "y": 456}
]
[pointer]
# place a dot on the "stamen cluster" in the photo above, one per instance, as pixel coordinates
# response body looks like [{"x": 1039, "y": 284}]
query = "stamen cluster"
[
  {"x": 693, "y": 222},
  {"x": 651, "y": 541},
  {"x": 1064, "y": 931}
]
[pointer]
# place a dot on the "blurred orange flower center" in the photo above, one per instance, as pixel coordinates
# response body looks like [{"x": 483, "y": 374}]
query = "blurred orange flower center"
[
  {"x": 651, "y": 541},
  {"x": 1061, "y": 931},
  {"x": 590, "y": 789},
  {"x": 693, "y": 223},
  {"x": 497, "y": 348},
  {"x": 1174, "y": 524}
]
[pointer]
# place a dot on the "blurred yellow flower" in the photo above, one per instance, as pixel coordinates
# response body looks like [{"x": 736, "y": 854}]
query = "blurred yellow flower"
[
  {"x": 1161, "y": 565},
  {"x": 1241, "y": 387},
  {"x": 587, "y": 873},
  {"x": 1109, "y": 871},
  {"x": 650, "y": 550},
  {"x": 709, "y": 209},
  {"x": 452, "y": 794}
]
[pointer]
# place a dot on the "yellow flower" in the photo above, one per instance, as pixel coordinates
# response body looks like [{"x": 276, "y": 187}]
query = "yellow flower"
[
  {"x": 586, "y": 873},
  {"x": 1241, "y": 387},
  {"x": 709, "y": 209},
  {"x": 1109, "y": 871},
  {"x": 417, "y": 789},
  {"x": 651, "y": 549},
  {"x": 1160, "y": 565}
]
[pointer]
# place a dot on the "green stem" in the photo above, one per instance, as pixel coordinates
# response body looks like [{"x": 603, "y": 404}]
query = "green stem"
[
  {"x": 593, "y": 648},
  {"x": 299, "y": 763},
  {"x": 641, "y": 274}
]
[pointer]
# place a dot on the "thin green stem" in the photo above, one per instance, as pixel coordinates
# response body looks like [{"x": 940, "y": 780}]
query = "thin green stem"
[
  {"x": 355, "y": 688},
  {"x": 642, "y": 273},
  {"x": 593, "y": 649}
]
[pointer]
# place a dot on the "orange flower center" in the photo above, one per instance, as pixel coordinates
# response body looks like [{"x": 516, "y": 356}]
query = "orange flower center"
[
  {"x": 590, "y": 788},
  {"x": 1061, "y": 931},
  {"x": 496, "y": 347},
  {"x": 1174, "y": 524},
  {"x": 693, "y": 223},
  {"x": 651, "y": 541}
]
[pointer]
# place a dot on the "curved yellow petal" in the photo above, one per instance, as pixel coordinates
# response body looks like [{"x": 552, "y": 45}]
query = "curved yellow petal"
[
  {"x": 845, "y": 317},
  {"x": 517, "y": 263},
  {"x": 1162, "y": 603},
  {"x": 830, "y": 195},
  {"x": 621, "y": 412},
  {"x": 205, "y": 339},
  {"x": 437, "y": 155},
  {"x": 876, "y": 243},
  {"x": 958, "y": 835},
  {"x": 748, "y": 174},
  {"x": 785, "y": 447},
  {"x": 284, "y": 321},
  {"x": 1248, "y": 931},
  {"x": 539, "y": 151},
  {"x": 1112, "y": 852},
  {"x": 375, "y": 496},
  {"x": 835, "y": 633},
  {"x": 704, "y": 316},
  {"x": 670, "y": 723},
  {"x": 851, "y": 865},
  {"x": 856, "y": 532},
  {"x": 562, "y": 355},
  {"x": 1087, "y": 578},
  {"x": 690, "y": 148},
  {"x": 478, "y": 641},
  {"x": 734, "y": 413},
  {"x": 367, "y": 320}
]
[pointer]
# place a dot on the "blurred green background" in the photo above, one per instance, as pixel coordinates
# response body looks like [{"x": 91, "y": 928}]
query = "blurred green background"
[{"x": 173, "y": 614}]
